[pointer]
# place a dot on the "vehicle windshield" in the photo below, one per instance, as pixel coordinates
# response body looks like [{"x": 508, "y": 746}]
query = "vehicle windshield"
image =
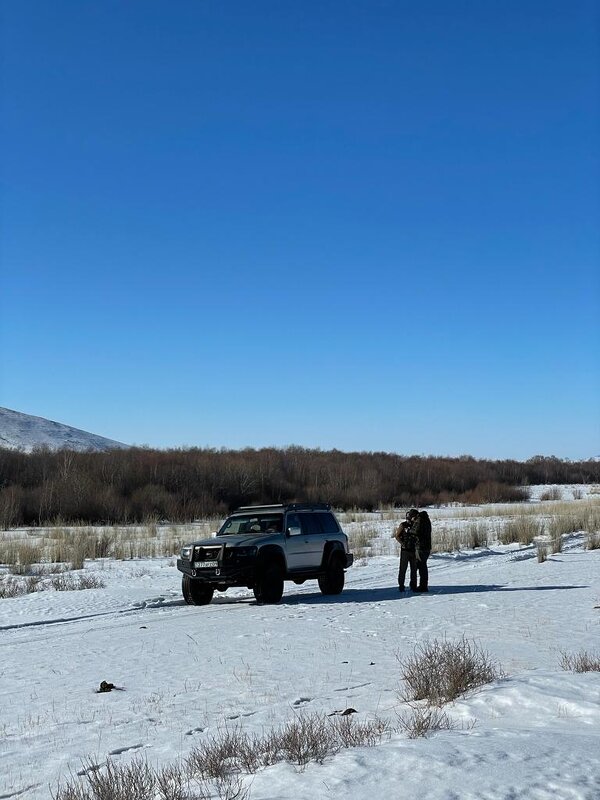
[{"x": 252, "y": 524}]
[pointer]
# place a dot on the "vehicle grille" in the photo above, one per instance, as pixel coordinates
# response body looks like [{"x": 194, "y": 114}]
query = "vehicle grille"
[{"x": 206, "y": 553}]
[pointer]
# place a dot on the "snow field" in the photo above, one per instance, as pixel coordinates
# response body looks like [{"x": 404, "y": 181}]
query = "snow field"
[{"x": 186, "y": 672}]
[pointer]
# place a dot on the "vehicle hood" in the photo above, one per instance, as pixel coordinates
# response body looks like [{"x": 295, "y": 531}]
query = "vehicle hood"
[{"x": 241, "y": 539}]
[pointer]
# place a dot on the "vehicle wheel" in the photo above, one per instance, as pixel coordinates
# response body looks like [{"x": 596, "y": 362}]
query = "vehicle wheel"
[
  {"x": 333, "y": 580},
  {"x": 269, "y": 584},
  {"x": 196, "y": 593}
]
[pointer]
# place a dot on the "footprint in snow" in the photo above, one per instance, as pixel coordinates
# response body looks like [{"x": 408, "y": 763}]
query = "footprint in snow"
[
  {"x": 243, "y": 714},
  {"x": 193, "y": 731},
  {"x": 20, "y": 791},
  {"x": 301, "y": 701},
  {"x": 120, "y": 750}
]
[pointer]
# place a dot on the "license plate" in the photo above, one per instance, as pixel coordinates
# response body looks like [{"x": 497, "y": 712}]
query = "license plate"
[{"x": 204, "y": 564}]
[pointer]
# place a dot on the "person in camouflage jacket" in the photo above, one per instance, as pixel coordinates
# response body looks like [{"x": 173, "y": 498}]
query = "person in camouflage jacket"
[
  {"x": 407, "y": 544},
  {"x": 420, "y": 528}
]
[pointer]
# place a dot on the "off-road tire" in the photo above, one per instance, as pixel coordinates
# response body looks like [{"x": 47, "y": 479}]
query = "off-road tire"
[
  {"x": 332, "y": 582},
  {"x": 196, "y": 593},
  {"x": 268, "y": 587}
]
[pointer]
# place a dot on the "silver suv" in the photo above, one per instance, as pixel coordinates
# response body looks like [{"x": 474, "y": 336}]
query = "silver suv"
[{"x": 261, "y": 546}]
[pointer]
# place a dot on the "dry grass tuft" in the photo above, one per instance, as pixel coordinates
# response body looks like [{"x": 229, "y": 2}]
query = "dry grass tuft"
[
  {"x": 421, "y": 720},
  {"x": 440, "y": 671},
  {"x": 524, "y": 529},
  {"x": 216, "y": 768},
  {"x": 553, "y": 493},
  {"x": 580, "y": 662},
  {"x": 593, "y": 541}
]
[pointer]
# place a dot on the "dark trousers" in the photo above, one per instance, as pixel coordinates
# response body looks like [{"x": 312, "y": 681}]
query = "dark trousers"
[
  {"x": 407, "y": 557},
  {"x": 422, "y": 556}
]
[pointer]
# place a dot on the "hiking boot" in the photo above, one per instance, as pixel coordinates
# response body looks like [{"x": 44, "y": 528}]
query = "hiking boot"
[
  {"x": 421, "y": 589},
  {"x": 401, "y": 589}
]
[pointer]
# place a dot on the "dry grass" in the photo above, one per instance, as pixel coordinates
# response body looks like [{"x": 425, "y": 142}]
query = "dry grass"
[
  {"x": 362, "y": 538},
  {"x": 553, "y": 493},
  {"x": 440, "y": 671},
  {"x": 542, "y": 552},
  {"x": 61, "y": 582},
  {"x": 593, "y": 541},
  {"x": 523, "y": 529},
  {"x": 305, "y": 739},
  {"x": 580, "y": 662},
  {"x": 216, "y": 768},
  {"x": 421, "y": 720}
]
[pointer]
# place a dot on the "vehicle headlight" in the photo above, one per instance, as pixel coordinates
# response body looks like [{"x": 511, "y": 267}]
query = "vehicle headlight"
[
  {"x": 186, "y": 553},
  {"x": 246, "y": 552}
]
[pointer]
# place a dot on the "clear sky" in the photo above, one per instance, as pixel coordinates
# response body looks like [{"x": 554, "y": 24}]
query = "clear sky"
[{"x": 369, "y": 225}]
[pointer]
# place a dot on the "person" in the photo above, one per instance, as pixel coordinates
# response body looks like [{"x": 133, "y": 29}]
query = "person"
[
  {"x": 420, "y": 528},
  {"x": 407, "y": 555}
]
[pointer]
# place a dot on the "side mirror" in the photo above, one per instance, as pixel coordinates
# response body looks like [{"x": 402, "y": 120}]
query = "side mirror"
[{"x": 294, "y": 531}]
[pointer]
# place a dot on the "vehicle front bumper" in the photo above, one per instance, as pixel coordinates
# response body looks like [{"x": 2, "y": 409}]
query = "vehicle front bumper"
[{"x": 230, "y": 575}]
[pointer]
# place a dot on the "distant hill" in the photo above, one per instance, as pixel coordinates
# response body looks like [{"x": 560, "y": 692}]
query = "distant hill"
[{"x": 24, "y": 432}]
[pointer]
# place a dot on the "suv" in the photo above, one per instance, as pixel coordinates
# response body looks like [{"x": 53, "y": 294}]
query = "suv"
[{"x": 261, "y": 546}]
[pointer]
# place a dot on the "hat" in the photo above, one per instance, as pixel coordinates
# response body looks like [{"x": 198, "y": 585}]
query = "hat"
[{"x": 412, "y": 513}]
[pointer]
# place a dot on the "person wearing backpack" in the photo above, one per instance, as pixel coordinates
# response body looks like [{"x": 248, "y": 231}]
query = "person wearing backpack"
[
  {"x": 420, "y": 528},
  {"x": 407, "y": 544}
]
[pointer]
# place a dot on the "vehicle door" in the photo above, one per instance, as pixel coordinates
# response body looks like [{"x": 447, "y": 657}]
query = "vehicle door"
[
  {"x": 296, "y": 544},
  {"x": 314, "y": 538}
]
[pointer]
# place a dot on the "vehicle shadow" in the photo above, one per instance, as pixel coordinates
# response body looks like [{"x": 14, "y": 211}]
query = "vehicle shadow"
[{"x": 387, "y": 593}]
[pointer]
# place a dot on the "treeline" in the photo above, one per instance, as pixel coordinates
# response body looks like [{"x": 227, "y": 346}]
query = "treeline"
[{"x": 134, "y": 485}]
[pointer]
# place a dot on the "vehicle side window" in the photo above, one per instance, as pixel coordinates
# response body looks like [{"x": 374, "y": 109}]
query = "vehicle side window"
[
  {"x": 292, "y": 521},
  {"x": 310, "y": 523},
  {"x": 328, "y": 522}
]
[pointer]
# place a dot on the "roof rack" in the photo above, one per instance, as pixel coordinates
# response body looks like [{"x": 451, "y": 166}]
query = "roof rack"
[
  {"x": 271, "y": 507},
  {"x": 285, "y": 507},
  {"x": 308, "y": 507}
]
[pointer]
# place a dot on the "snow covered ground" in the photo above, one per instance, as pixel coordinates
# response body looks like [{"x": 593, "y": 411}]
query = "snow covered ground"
[
  {"x": 25, "y": 432},
  {"x": 186, "y": 672}
]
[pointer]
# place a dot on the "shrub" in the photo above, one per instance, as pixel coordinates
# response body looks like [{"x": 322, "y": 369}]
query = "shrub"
[
  {"x": 553, "y": 493},
  {"x": 523, "y": 530},
  {"x": 361, "y": 539},
  {"x": 591, "y": 519},
  {"x": 10, "y": 587},
  {"x": 477, "y": 535},
  {"x": 421, "y": 720},
  {"x": 354, "y": 733},
  {"x": 27, "y": 554},
  {"x": 556, "y": 543},
  {"x": 65, "y": 582},
  {"x": 137, "y": 781},
  {"x": 542, "y": 552},
  {"x": 564, "y": 524},
  {"x": 134, "y": 781},
  {"x": 306, "y": 739},
  {"x": 580, "y": 662},
  {"x": 593, "y": 541},
  {"x": 493, "y": 492},
  {"x": 440, "y": 671}
]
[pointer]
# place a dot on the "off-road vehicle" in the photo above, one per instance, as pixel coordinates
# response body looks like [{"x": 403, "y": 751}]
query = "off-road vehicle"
[{"x": 262, "y": 546}]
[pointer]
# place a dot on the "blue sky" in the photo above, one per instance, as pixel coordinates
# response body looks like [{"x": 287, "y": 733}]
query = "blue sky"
[{"x": 362, "y": 225}]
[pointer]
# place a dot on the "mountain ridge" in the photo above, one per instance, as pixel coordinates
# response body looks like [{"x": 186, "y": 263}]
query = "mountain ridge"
[{"x": 25, "y": 432}]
